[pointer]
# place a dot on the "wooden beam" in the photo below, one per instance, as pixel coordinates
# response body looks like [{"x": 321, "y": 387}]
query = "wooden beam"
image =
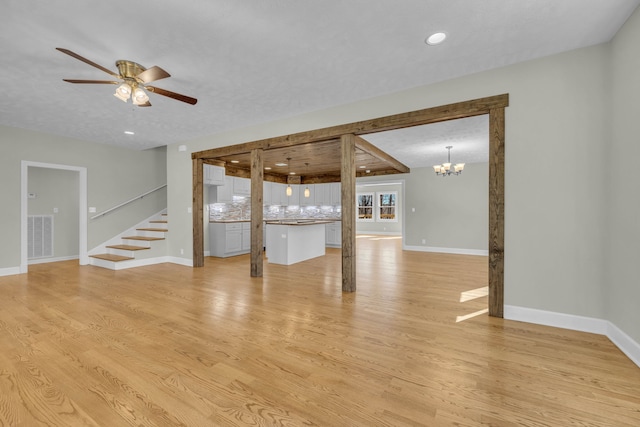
[
  {"x": 348, "y": 200},
  {"x": 257, "y": 244},
  {"x": 457, "y": 110},
  {"x": 379, "y": 154},
  {"x": 197, "y": 209},
  {"x": 496, "y": 212}
]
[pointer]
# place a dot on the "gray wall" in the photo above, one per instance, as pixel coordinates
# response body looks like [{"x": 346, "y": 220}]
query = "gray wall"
[
  {"x": 621, "y": 209},
  {"x": 558, "y": 134},
  {"x": 114, "y": 174},
  {"x": 55, "y": 188},
  {"x": 451, "y": 213}
]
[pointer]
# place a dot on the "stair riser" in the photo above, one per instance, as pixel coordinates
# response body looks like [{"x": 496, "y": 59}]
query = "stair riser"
[
  {"x": 150, "y": 233},
  {"x": 136, "y": 243},
  {"x": 122, "y": 252}
]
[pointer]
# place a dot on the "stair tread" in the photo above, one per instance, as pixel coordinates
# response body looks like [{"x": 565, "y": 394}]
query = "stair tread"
[
  {"x": 145, "y": 238},
  {"x": 159, "y": 221},
  {"x": 111, "y": 257},
  {"x": 128, "y": 247},
  {"x": 162, "y": 230}
]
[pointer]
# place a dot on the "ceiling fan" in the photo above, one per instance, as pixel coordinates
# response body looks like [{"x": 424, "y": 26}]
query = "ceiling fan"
[{"x": 133, "y": 80}]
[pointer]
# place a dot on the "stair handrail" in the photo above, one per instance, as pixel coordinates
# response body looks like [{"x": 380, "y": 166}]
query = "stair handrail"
[{"x": 128, "y": 201}]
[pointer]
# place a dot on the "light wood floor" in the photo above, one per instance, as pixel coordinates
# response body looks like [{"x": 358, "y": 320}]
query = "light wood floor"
[{"x": 170, "y": 345}]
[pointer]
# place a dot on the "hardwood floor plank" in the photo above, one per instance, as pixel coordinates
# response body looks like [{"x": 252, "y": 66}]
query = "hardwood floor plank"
[{"x": 172, "y": 345}]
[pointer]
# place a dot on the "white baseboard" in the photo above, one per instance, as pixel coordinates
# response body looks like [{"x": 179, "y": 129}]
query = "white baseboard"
[
  {"x": 10, "y": 271},
  {"x": 46, "y": 260},
  {"x": 577, "y": 323},
  {"x": 457, "y": 251},
  {"x": 181, "y": 261}
]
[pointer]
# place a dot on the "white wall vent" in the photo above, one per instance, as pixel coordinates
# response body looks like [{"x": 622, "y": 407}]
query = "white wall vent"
[{"x": 40, "y": 236}]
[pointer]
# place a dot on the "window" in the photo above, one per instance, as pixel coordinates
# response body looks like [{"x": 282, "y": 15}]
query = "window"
[
  {"x": 364, "y": 203},
  {"x": 387, "y": 206}
]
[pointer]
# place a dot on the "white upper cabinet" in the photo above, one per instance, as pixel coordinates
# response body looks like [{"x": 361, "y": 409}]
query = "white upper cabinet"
[
  {"x": 241, "y": 186},
  {"x": 213, "y": 175}
]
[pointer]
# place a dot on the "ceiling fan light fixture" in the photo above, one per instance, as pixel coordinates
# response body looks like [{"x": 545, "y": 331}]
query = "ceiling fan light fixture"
[
  {"x": 139, "y": 97},
  {"x": 123, "y": 92}
]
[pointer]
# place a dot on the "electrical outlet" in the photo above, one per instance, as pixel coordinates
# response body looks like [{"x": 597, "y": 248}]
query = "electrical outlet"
[
  {"x": 181, "y": 251},
  {"x": 424, "y": 241}
]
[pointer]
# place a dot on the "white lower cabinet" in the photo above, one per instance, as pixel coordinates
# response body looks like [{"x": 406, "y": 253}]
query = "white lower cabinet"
[
  {"x": 246, "y": 236},
  {"x": 333, "y": 234},
  {"x": 229, "y": 238}
]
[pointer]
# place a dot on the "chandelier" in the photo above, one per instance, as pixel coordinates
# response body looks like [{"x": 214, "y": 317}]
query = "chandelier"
[{"x": 445, "y": 168}]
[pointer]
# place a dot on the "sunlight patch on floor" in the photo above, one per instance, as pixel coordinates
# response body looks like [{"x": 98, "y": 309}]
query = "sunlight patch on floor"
[
  {"x": 469, "y": 316},
  {"x": 474, "y": 293}
]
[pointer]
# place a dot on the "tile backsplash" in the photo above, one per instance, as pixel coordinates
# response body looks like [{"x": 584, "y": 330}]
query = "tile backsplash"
[{"x": 240, "y": 210}]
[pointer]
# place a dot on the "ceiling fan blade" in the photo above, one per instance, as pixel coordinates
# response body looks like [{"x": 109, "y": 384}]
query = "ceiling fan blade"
[
  {"x": 179, "y": 97},
  {"x": 152, "y": 74},
  {"x": 109, "y": 82},
  {"x": 86, "y": 61}
]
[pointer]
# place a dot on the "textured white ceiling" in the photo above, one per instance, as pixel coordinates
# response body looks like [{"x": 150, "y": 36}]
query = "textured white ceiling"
[
  {"x": 421, "y": 146},
  {"x": 250, "y": 62}
]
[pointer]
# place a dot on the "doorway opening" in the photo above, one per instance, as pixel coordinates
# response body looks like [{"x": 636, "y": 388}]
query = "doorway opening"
[{"x": 24, "y": 210}]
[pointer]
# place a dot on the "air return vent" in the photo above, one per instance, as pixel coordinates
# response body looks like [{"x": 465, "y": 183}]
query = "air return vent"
[{"x": 40, "y": 236}]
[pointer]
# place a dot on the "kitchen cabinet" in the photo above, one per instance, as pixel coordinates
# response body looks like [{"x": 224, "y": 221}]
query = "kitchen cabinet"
[
  {"x": 289, "y": 243},
  {"x": 294, "y": 198},
  {"x": 266, "y": 192},
  {"x": 324, "y": 195},
  {"x": 241, "y": 186},
  {"x": 213, "y": 175},
  {"x": 229, "y": 238},
  {"x": 224, "y": 193},
  {"x": 333, "y": 232},
  {"x": 336, "y": 194},
  {"x": 246, "y": 237}
]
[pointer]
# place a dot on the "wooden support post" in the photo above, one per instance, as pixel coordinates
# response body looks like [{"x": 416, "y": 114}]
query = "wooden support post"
[
  {"x": 257, "y": 245},
  {"x": 496, "y": 212},
  {"x": 348, "y": 196},
  {"x": 197, "y": 211}
]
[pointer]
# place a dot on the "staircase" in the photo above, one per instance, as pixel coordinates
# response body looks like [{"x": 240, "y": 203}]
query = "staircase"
[{"x": 134, "y": 249}]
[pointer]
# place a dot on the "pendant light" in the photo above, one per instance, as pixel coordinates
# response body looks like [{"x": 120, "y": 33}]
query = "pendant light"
[
  {"x": 307, "y": 192},
  {"x": 289, "y": 189}
]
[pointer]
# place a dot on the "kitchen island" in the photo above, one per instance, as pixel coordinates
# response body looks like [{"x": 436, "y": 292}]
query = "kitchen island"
[{"x": 294, "y": 241}]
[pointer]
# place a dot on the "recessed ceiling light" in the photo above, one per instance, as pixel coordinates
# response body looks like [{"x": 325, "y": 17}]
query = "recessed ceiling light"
[
  {"x": 235, "y": 161},
  {"x": 435, "y": 38},
  {"x": 362, "y": 167},
  {"x": 281, "y": 164},
  {"x": 268, "y": 168},
  {"x": 292, "y": 173},
  {"x": 128, "y": 132}
]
